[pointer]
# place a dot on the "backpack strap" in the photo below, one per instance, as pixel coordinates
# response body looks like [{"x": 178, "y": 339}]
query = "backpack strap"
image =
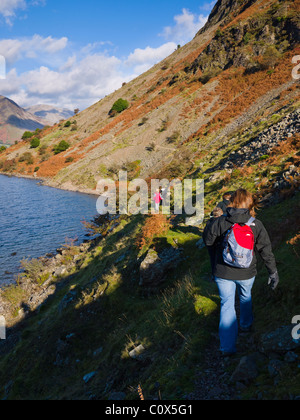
[{"x": 250, "y": 221}]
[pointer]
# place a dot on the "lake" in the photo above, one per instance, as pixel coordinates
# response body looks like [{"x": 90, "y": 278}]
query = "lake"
[{"x": 36, "y": 220}]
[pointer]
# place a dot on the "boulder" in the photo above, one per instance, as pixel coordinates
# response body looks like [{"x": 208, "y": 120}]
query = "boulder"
[
  {"x": 246, "y": 370},
  {"x": 279, "y": 341},
  {"x": 154, "y": 268},
  {"x": 89, "y": 376},
  {"x": 137, "y": 352}
]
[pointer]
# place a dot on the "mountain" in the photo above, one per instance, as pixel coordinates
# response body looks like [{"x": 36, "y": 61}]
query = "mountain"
[
  {"x": 49, "y": 113},
  {"x": 14, "y": 120},
  {"x": 133, "y": 312},
  {"x": 235, "y": 74}
]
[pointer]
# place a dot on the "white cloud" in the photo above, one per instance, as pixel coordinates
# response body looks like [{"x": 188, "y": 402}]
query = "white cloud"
[
  {"x": 85, "y": 75},
  {"x": 16, "y": 49},
  {"x": 81, "y": 83},
  {"x": 8, "y": 8},
  {"x": 143, "y": 59},
  {"x": 80, "y": 80},
  {"x": 186, "y": 27}
]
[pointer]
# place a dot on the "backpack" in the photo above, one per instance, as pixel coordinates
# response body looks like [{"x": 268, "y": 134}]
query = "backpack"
[{"x": 238, "y": 245}]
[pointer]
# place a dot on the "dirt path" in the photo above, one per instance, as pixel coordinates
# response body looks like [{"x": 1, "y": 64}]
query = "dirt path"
[{"x": 212, "y": 379}]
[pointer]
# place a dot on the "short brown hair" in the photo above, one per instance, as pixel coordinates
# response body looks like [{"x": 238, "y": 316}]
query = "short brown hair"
[
  {"x": 227, "y": 194},
  {"x": 243, "y": 199}
]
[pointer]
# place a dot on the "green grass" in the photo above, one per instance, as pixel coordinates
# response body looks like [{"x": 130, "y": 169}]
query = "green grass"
[
  {"x": 111, "y": 312},
  {"x": 167, "y": 323}
]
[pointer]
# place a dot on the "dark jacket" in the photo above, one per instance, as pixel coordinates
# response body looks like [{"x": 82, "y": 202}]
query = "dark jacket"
[
  {"x": 223, "y": 205},
  {"x": 213, "y": 237}
]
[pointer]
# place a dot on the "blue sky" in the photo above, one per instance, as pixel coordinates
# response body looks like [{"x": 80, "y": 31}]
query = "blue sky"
[{"x": 72, "y": 53}]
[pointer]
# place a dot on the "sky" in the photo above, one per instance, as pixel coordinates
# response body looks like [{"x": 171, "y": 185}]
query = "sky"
[{"x": 70, "y": 54}]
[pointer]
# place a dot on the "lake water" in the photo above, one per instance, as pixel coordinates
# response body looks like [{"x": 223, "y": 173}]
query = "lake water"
[{"x": 36, "y": 220}]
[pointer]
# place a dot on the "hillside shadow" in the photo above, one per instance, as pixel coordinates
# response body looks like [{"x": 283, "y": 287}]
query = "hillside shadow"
[
  {"x": 23, "y": 124},
  {"x": 61, "y": 330}
]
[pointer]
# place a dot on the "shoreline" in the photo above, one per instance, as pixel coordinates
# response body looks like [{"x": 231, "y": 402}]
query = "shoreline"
[
  {"x": 47, "y": 182},
  {"x": 79, "y": 244}
]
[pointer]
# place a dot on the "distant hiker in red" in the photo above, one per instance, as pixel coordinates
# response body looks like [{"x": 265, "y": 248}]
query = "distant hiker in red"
[
  {"x": 157, "y": 200},
  {"x": 237, "y": 237}
]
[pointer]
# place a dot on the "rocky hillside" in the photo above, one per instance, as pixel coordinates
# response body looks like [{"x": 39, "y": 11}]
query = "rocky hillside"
[
  {"x": 133, "y": 310},
  {"x": 236, "y": 73}
]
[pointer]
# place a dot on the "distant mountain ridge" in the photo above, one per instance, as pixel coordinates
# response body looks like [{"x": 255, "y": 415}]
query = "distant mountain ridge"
[
  {"x": 14, "y": 120},
  {"x": 50, "y": 113}
]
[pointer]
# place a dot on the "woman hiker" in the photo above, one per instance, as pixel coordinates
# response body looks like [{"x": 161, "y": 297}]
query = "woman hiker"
[
  {"x": 235, "y": 266},
  {"x": 157, "y": 200}
]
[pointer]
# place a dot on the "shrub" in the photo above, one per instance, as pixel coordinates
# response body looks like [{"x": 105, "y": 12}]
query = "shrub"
[
  {"x": 42, "y": 150},
  {"x": 174, "y": 137},
  {"x": 133, "y": 169},
  {"x": 151, "y": 147},
  {"x": 35, "y": 142},
  {"x": 164, "y": 126},
  {"x": 119, "y": 106},
  {"x": 8, "y": 165},
  {"x": 210, "y": 74},
  {"x": 67, "y": 124},
  {"x": 270, "y": 58},
  {"x": 2, "y": 149},
  {"x": 264, "y": 157},
  {"x": 26, "y": 157},
  {"x": 45, "y": 157},
  {"x": 247, "y": 38},
  {"x": 33, "y": 270},
  {"x": 27, "y": 135},
  {"x": 144, "y": 120},
  {"x": 14, "y": 295},
  {"x": 36, "y": 169},
  {"x": 61, "y": 147},
  {"x": 155, "y": 225},
  {"x": 37, "y": 132},
  {"x": 219, "y": 34}
]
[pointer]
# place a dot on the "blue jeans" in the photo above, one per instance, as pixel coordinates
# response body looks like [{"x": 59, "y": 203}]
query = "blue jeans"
[{"x": 228, "y": 328}]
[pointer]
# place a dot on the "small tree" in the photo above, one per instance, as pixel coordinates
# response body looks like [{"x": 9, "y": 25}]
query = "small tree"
[
  {"x": 119, "y": 106},
  {"x": 35, "y": 142},
  {"x": 27, "y": 135},
  {"x": 61, "y": 147},
  {"x": 2, "y": 149}
]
